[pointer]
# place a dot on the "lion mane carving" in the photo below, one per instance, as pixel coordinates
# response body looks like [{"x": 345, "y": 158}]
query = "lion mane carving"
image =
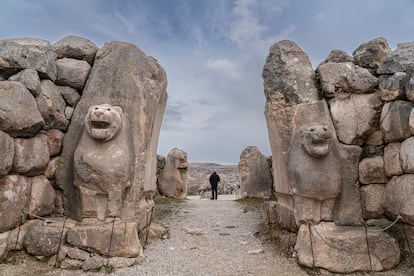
[{"x": 103, "y": 162}]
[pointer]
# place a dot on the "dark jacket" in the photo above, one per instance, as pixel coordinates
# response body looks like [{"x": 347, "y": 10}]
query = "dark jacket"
[{"x": 214, "y": 178}]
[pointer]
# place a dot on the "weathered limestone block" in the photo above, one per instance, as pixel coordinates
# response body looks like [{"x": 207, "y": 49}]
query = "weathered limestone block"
[
  {"x": 345, "y": 77},
  {"x": 407, "y": 155},
  {"x": 76, "y": 47},
  {"x": 4, "y": 241},
  {"x": 43, "y": 240},
  {"x": 30, "y": 79},
  {"x": 399, "y": 60},
  {"x": 71, "y": 264},
  {"x": 156, "y": 231},
  {"x": 19, "y": 114},
  {"x": 54, "y": 141},
  {"x": 255, "y": 177},
  {"x": 411, "y": 122},
  {"x": 72, "y": 72},
  {"x": 371, "y": 170},
  {"x": 70, "y": 95},
  {"x": 338, "y": 56},
  {"x": 372, "y": 200},
  {"x": 52, "y": 106},
  {"x": 172, "y": 180},
  {"x": 391, "y": 86},
  {"x": 399, "y": 194},
  {"x": 31, "y": 156},
  {"x": 343, "y": 249},
  {"x": 375, "y": 139},
  {"x": 14, "y": 197},
  {"x": 97, "y": 238},
  {"x": 94, "y": 263},
  {"x": 392, "y": 160},
  {"x": 52, "y": 167},
  {"x": 395, "y": 120},
  {"x": 355, "y": 117},
  {"x": 372, "y": 53},
  {"x": 123, "y": 76},
  {"x": 409, "y": 88},
  {"x": 268, "y": 212},
  {"x": 42, "y": 197},
  {"x": 68, "y": 112},
  {"x": 102, "y": 162},
  {"x": 28, "y": 53},
  {"x": 7, "y": 153}
]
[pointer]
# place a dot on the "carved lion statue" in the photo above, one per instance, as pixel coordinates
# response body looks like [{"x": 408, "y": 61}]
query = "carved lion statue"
[
  {"x": 316, "y": 140},
  {"x": 103, "y": 162}
]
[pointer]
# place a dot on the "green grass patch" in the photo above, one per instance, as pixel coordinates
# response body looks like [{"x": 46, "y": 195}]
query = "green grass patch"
[{"x": 166, "y": 207}]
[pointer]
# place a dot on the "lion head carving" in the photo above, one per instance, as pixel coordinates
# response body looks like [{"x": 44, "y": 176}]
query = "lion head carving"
[
  {"x": 316, "y": 140},
  {"x": 103, "y": 122}
]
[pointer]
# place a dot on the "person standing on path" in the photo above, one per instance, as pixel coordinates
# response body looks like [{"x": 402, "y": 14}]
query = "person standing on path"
[{"x": 214, "y": 180}]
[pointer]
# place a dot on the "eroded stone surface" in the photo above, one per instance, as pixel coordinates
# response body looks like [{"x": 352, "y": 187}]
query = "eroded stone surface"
[
  {"x": 31, "y": 156},
  {"x": 42, "y": 196},
  {"x": 395, "y": 120},
  {"x": 407, "y": 155},
  {"x": 72, "y": 72},
  {"x": 399, "y": 193},
  {"x": 7, "y": 153},
  {"x": 76, "y": 47},
  {"x": 372, "y": 53},
  {"x": 30, "y": 79},
  {"x": 392, "y": 160},
  {"x": 371, "y": 170},
  {"x": 372, "y": 200},
  {"x": 399, "y": 60}
]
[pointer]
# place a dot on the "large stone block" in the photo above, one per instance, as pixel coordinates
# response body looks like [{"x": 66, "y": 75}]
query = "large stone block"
[
  {"x": 172, "y": 178},
  {"x": 30, "y": 79},
  {"x": 407, "y": 155},
  {"x": 255, "y": 174},
  {"x": 123, "y": 76},
  {"x": 7, "y": 153},
  {"x": 31, "y": 155},
  {"x": 345, "y": 77},
  {"x": 395, "y": 120},
  {"x": 76, "y": 47},
  {"x": 391, "y": 86},
  {"x": 42, "y": 196},
  {"x": 19, "y": 114},
  {"x": 55, "y": 141},
  {"x": 70, "y": 95},
  {"x": 399, "y": 194},
  {"x": 372, "y": 200},
  {"x": 14, "y": 197},
  {"x": 97, "y": 238},
  {"x": 52, "y": 106},
  {"x": 392, "y": 160},
  {"x": 355, "y": 117},
  {"x": 28, "y": 53},
  {"x": 399, "y": 60},
  {"x": 344, "y": 249},
  {"x": 371, "y": 170},
  {"x": 72, "y": 72},
  {"x": 44, "y": 240},
  {"x": 372, "y": 53}
]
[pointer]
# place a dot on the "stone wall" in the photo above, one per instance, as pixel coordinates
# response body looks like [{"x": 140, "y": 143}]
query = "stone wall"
[
  {"x": 341, "y": 146},
  {"x": 105, "y": 105}
]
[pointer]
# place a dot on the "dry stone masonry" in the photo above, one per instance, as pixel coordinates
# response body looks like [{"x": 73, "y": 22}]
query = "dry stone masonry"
[
  {"x": 79, "y": 130},
  {"x": 342, "y": 139}
]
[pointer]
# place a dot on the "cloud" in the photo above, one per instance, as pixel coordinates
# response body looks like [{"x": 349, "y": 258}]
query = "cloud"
[{"x": 224, "y": 67}]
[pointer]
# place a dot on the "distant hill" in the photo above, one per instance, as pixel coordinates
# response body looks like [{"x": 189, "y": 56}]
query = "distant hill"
[{"x": 199, "y": 173}]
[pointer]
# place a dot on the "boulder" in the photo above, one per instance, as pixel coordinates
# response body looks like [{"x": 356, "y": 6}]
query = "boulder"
[
  {"x": 392, "y": 160},
  {"x": 371, "y": 170},
  {"x": 43, "y": 240},
  {"x": 71, "y": 264},
  {"x": 123, "y": 76},
  {"x": 42, "y": 197},
  {"x": 76, "y": 47},
  {"x": 400, "y": 60},
  {"x": 255, "y": 177},
  {"x": 391, "y": 87},
  {"x": 338, "y": 56},
  {"x": 409, "y": 87},
  {"x": 97, "y": 238},
  {"x": 343, "y": 249},
  {"x": 52, "y": 106},
  {"x": 94, "y": 263},
  {"x": 54, "y": 141},
  {"x": 355, "y": 117},
  {"x": 52, "y": 167},
  {"x": 31, "y": 156},
  {"x": 407, "y": 155},
  {"x": 19, "y": 114},
  {"x": 172, "y": 180},
  {"x": 72, "y": 72},
  {"x": 68, "y": 112},
  {"x": 372, "y": 53},
  {"x": 30, "y": 79},
  {"x": 156, "y": 231},
  {"x": 28, "y": 53},
  {"x": 268, "y": 212},
  {"x": 372, "y": 197},
  {"x": 70, "y": 95},
  {"x": 395, "y": 120},
  {"x": 7, "y": 153},
  {"x": 345, "y": 77},
  {"x": 399, "y": 193},
  {"x": 375, "y": 139},
  {"x": 14, "y": 197}
]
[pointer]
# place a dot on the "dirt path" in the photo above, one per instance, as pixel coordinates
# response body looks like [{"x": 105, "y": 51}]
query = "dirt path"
[{"x": 209, "y": 237}]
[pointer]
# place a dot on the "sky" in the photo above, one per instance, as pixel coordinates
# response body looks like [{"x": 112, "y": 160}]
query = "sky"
[{"x": 213, "y": 52}]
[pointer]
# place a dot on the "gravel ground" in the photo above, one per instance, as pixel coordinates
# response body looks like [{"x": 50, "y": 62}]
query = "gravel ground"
[{"x": 206, "y": 237}]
